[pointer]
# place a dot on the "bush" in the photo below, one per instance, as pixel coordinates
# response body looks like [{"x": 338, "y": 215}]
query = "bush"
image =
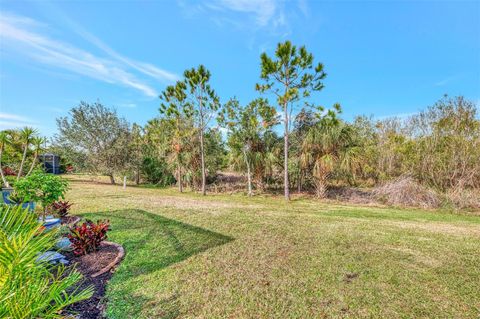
[
  {"x": 41, "y": 187},
  {"x": 405, "y": 191},
  {"x": 463, "y": 198},
  {"x": 62, "y": 208},
  {"x": 87, "y": 237},
  {"x": 157, "y": 172},
  {"x": 30, "y": 288}
]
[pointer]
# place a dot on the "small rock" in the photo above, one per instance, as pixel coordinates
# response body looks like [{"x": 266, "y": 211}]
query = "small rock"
[
  {"x": 51, "y": 257},
  {"x": 64, "y": 244}
]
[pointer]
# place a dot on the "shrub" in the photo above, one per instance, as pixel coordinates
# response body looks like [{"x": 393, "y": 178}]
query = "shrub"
[
  {"x": 86, "y": 238},
  {"x": 30, "y": 288},
  {"x": 41, "y": 187},
  {"x": 7, "y": 171},
  {"x": 405, "y": 191},
  {"x": 62, "y": 208},
  {"x": 463, "y": 198},
  {"x": 156, "y": 172}
]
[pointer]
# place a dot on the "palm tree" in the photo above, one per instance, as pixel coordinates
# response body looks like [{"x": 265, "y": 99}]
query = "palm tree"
[
  {"x": 4, "y": 140},
  {"x": 26, "y": 135},
  {"x": 37, "y": 142},
  {"x": 326, "y": 147}
]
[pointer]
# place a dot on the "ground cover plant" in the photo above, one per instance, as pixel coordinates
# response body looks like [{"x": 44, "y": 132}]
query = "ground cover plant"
[{"x": 189, "y": 256}]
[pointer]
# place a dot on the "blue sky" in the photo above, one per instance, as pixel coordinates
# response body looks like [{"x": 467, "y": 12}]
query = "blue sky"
[{"x": 382, "y": 57}]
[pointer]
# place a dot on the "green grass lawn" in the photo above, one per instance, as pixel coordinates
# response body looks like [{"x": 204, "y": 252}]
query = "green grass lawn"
[{"x": 228, "y": 256}]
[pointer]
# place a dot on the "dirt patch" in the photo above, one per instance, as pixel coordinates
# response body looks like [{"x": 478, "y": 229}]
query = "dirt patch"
[
  {"x": 90, "y": 265},
  {"x": 350, "y": 195},
  {"x": 349, "y": 277}
]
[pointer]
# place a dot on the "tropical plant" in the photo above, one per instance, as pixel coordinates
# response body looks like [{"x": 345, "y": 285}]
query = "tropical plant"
[
  {"x": 327, "y": 146},
  {"x": 27, "y": 134},
  {"x": 88, "y": 236},
  {"x": 41, "y": 187},
  {"x": 29, "y": 287},
  {"x": 291, "y": 76},
  {"x": 62, "y": 207}
]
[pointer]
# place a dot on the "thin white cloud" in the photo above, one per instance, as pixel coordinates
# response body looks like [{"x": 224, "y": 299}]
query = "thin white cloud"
[
  {"x": 22, "y": 35},
  {"x": 267, "y": 16},
  {"x": 265, "y": 11},
  {"x": 145, "y": 68},
  {"x": 14, "y": 117},
  {"x": 11, "y": 121},
  {"x": 444, "y": 81},
  {"x": 128, "y": 105}
]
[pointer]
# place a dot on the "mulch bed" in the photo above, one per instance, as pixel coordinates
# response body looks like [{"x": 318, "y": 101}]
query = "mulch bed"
[{"x": 97, "y": 268}]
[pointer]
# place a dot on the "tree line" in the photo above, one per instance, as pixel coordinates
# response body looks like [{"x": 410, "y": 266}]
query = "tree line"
[{"x": 184, "y": 144}]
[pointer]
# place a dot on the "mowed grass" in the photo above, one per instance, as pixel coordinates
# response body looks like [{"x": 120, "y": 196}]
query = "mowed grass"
[{"x": 229, "y": 256}]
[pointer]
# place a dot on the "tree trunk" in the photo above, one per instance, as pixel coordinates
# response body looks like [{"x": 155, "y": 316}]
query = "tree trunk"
[
  {"x": 285, "y": 163},
  {"x": 204, "y": 191},
  {"x": 112, "y": 179},
  {"x": 33, "y": 164},
  {"x": 299, "y": 181},
  {"x": 137, "y": 177},
  {"x": 24, "y": 157},
  {"x": 180, "y": 186},
  {"x": 249, "y": 175},
  {"x": 4, "y": 180}
]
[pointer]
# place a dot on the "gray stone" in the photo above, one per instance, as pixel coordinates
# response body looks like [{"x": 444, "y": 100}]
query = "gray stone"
[
  {"x": 63, "y": 244},
  {"x": 51, "y": 257}
]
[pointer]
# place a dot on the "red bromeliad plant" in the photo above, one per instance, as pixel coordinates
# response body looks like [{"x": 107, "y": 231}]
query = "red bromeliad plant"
[
  {"x": 86, "y": 238},
  {"x": 62, "y": 208}
]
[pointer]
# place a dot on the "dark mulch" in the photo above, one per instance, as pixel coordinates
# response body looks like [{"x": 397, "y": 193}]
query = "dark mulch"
[{"x": 88, "y": 265}]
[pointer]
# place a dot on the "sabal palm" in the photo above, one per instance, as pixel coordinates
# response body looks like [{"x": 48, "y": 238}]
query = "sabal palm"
[
  {"x": 327, "y": 146},
  {"x": 26, "y": 135}
]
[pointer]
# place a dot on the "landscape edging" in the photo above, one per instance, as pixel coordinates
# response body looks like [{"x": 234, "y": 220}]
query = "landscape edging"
[{"x": 121, "y": 254}]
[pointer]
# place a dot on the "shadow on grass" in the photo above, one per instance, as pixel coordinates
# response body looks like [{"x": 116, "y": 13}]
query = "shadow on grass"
[{"x": 152, "y": 243}]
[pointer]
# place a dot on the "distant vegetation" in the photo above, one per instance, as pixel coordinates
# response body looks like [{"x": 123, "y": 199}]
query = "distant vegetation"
[{"x": 195, "y": 136}]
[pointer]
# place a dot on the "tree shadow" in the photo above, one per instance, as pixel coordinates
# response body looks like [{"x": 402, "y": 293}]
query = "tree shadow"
[{"x": 152, "y": 243}]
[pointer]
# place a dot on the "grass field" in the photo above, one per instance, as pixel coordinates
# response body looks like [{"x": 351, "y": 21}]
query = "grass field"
[{"x": 228, "y": 256}]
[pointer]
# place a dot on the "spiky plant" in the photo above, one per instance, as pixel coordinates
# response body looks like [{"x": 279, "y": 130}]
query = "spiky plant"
[{"x": 31, "y": 288}]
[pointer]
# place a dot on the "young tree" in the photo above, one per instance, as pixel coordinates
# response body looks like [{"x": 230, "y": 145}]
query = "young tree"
[
  {"x": 327, "y": 147},
  {"x": 291, "y": 76},
  {"x": 177, "y": 110},
  {"x": 205, "y": 103},
  {"x": 99, "y": 134},
  {"x": 246, "y": 125}
]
